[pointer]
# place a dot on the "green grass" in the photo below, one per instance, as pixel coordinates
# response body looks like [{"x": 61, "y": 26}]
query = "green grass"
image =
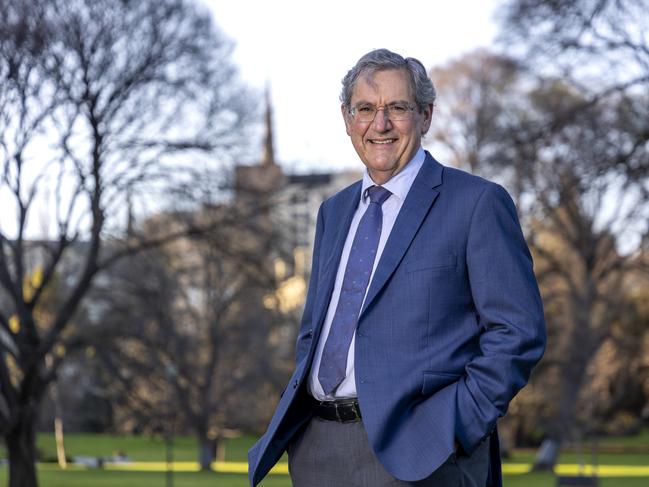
[
  {"x": 185, "y": 449},
  {"x": 527, "y": 456},
  {"x": 639, "y": 440},
  {"x": 98, "y": 478},
  {"x": 142, "y": 448},
  {"x": 138, "y": 448}
]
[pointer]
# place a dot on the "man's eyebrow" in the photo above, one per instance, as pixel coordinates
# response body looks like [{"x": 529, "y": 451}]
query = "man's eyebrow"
[{"x": 363, "y": 102}]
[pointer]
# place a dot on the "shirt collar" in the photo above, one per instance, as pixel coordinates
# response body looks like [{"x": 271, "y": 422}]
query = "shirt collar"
[{"x": 400, "y": 184}]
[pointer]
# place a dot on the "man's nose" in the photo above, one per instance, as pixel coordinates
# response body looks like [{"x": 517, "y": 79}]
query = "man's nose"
[{"x": 381, "y": 120}]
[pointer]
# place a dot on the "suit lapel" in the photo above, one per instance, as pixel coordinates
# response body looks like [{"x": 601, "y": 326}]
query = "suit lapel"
[
  {"x": 343, "y": 212},
  {"x": 415, "y": 208}
]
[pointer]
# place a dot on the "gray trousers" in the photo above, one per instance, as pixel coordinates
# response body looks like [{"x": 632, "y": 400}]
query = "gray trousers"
[{"x": 332, "y": 454}]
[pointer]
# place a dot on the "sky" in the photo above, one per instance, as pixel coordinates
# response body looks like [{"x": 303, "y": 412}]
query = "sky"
[{"x": 302, "y": 49}]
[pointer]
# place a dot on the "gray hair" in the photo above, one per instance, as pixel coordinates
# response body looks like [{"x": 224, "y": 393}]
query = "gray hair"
[{"x": 382, "y": 59}]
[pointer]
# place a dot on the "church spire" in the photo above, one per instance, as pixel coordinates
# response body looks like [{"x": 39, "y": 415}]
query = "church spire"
[{"x": 269, "y": 151}]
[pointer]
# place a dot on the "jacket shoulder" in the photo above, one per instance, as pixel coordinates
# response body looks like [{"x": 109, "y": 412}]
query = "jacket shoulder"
[
  {"x": 342, "y": 196},
  {"x": 463, "y": 179}
]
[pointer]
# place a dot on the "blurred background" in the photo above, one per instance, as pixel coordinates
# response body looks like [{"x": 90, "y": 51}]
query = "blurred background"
[{"x": 161, "y": 166}]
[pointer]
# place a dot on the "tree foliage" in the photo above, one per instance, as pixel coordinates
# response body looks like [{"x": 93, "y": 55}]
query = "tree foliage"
[
  {"x": 602, "y": 44},
  {"x": 578, "y": 165},
  {"x": 101, "y": 102},
  {"x": 184, "y": 338}
]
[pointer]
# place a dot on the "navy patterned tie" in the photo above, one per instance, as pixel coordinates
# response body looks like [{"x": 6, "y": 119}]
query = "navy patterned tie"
[{"x": 357, "y": 276}]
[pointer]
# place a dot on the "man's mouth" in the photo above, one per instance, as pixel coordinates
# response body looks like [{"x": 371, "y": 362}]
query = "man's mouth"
[{"x": 382, "y": 141}]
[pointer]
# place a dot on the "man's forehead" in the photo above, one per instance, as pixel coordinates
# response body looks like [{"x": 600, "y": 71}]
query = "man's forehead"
[{"x": 368, "y": 79}]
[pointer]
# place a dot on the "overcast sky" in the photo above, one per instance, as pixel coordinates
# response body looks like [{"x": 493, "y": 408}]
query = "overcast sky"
[{"x": 303, "y": 49}]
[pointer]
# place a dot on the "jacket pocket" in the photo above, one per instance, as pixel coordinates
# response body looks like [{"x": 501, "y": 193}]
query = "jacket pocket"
[
  {"x": 434, "y": 381},
  {"x": 432, "y": 262}
]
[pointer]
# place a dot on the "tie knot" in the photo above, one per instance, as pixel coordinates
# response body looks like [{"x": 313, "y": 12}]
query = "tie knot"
[{"x": 378, "y": 194}]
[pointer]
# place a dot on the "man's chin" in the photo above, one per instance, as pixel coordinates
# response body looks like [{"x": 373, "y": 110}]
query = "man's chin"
[{"x": 381, "y": 174}]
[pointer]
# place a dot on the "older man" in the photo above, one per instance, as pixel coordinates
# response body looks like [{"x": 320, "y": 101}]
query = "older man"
[{"x": 423, "y": 317}]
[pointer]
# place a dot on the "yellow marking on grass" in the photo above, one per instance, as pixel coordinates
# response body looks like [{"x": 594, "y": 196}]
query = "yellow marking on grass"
[
  {"x": 282, "y": 468},
  {"x": 516, "y": 468},
  {"x": 576, "y": 469},
  {"x": 603, "y": 470}
]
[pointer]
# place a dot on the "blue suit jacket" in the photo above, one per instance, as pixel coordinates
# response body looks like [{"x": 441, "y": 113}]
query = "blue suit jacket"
[{"x": 449, "y": 332}]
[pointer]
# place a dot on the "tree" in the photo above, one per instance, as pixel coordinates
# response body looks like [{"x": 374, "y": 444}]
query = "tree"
[
  {"x": 579, "y": 166},
  {"x": 473, "y": 93},
  {"x": 100, "y": 101},
  {"x": 202, "y": 343},
  {"x": 602, "y": 45},
  {"x": 600, "y": 52}
]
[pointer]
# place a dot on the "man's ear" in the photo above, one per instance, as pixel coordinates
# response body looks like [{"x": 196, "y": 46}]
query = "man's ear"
[
  {"x": 347, "y": 118},
  {"x": 427, "y": 116}
]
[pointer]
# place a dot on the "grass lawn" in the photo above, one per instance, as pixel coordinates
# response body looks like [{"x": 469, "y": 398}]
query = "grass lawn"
[
  {"x": 98, "y": 478},
  {"x": 138, "y": 448},
  {"x": 185, "y": 449},
  {"x": 527, "y": 456}
]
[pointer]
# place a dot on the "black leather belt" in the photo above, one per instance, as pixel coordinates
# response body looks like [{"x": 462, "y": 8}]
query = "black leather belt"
[{"x": 343, "y": 410}]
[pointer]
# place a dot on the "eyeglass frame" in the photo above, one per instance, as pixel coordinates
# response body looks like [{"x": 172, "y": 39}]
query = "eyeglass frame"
[{"x": 352, "y": 111}]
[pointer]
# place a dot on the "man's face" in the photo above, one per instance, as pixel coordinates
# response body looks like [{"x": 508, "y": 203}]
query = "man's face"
[{"x": 386, "y": 146}]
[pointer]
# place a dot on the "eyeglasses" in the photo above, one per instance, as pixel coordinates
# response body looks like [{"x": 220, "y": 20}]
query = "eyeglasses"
[{"x": 394, "y": 111}]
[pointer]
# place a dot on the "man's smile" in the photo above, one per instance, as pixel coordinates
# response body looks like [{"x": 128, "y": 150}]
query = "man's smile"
[{"x": 382, "y": 141}]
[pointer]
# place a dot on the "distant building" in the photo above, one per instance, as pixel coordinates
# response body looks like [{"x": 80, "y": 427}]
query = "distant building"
[{"x": 290, "y": 204}]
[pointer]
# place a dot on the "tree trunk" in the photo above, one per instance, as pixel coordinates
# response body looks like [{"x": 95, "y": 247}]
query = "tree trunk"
[
  {"x": 207, "y": 452},
  {"x": 583, "y": 345},
  {"x": 21, "y": 445}
]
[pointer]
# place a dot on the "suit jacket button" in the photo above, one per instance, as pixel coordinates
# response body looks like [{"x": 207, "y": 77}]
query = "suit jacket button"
[{"x": 295, "y": 384}]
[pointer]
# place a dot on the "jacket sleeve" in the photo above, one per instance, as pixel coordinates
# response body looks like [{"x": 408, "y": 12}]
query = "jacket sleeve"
[
  {"x": 508, "y": 304},
  {"x": 305, "y": 334}
]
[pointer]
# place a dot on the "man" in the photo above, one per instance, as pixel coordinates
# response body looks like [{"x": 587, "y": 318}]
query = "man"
[{"x": 423, "y": 318}]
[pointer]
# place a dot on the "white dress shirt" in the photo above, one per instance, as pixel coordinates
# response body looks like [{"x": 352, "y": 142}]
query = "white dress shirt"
[{"x": 399, "y": 185}]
